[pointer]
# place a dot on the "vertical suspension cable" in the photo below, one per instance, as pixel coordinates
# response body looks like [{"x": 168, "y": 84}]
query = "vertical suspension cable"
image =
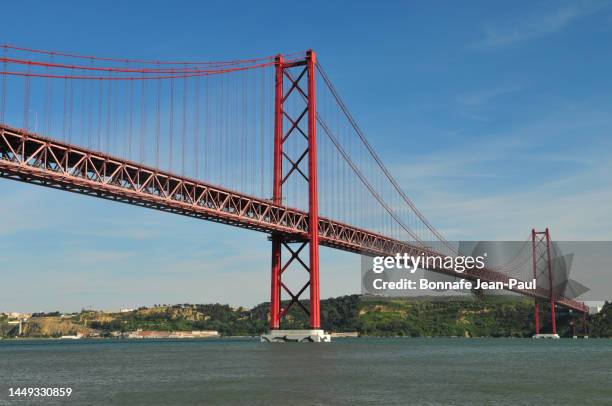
[
  {"x": 171, "y": 124},
  {"x": 26, "y": 100},
  {"x": 157, "y": 122},
  {"x": 49, "y": 122},
  {"x": 82, "y": 108},
  {"x": 243, "y": 151},
  {"x": 70, "y": 107},
  {"x": 90, "y": 105},
  {"x": 253, "y": 128},
  {"x": 100, "y": 105},
  {"x": 227, "y": 121},
  {"x": 65, "y": 113},
  {"x": 130, "y": 116},
  {"x": 143, "y": 119},
  {"x": 196, "y": 129},
  {"x": 184, "y": 127},
  {"x": 108, "y": 112},
  {"x": 206, "y": 156},
  {"x": 125, "y": 132},
  {"x": 220, "y": 131},
  {"x": 47, "y": 102}
]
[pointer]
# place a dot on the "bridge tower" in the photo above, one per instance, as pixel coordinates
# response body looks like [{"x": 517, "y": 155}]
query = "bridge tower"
[
  {"x": 288, "y": 124},
  {"x": 542, "y": 258}
]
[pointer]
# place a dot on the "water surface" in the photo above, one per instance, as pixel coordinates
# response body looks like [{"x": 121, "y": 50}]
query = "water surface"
[{"x": 362, "y": 371}]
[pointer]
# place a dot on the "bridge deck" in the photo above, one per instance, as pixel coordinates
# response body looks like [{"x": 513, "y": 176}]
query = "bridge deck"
[{"x": 38, "y": 160}]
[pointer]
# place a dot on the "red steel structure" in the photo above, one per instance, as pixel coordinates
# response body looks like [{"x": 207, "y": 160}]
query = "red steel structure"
[
  {"x": 535, "y": 276},
  {"x": 34, "y": 159},
  {"x": 29, "y": 157},
  {"x": 306, "y": 69},
  {"x": 542, "y": 258}
]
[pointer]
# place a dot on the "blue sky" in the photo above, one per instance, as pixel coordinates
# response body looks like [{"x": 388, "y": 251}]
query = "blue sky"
[{"x": 495, "y": 118}]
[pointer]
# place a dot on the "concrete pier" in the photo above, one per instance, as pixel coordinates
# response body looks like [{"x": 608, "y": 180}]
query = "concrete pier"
[
  {"x": 296, "y": 336},
  {"x": 553, "y": 336}
]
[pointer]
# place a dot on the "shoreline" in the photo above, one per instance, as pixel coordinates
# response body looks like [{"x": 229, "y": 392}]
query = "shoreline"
[{"x": 13, "y": 339}]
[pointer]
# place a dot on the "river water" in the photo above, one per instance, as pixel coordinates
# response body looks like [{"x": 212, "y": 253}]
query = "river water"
[{"x": 400, "y": 371}]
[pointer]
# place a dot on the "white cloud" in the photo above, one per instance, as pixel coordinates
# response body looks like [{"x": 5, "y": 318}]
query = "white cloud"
[
  {"x": 485, "y": 96},
  {"x": 510, "y": 32}
]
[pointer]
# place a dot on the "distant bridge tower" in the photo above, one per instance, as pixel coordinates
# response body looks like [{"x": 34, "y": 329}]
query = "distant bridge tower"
[{"x": 542, "y": 261}]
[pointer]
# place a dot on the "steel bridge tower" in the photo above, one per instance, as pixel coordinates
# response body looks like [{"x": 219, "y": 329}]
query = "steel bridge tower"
[
  {"x": 286, "y": 126},
  {"x": 541, "y": 250}
]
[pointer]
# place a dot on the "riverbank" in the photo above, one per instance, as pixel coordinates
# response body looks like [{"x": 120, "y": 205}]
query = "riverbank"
[{"x": 495, "y": 316}]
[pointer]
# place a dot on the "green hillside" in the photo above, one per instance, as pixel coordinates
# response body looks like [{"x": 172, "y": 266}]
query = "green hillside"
[{"x": 500, "y": 316}]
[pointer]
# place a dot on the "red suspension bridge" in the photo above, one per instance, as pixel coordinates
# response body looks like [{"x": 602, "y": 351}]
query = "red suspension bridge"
[{"x": 265, "y": 144}]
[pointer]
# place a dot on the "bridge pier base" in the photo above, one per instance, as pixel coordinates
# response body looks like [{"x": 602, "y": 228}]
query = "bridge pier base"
[
  {"x": 554, "y": 336},
  {"x": 296, "y": 336}
]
